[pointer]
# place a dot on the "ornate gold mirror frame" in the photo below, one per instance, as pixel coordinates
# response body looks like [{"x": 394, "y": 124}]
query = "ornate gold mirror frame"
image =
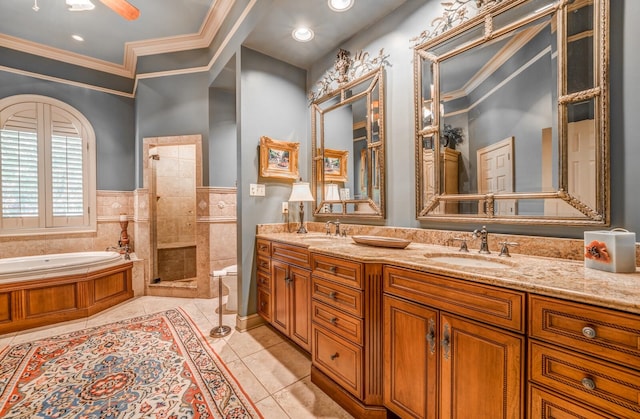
[
  {"x": 550, "y": 183},
  {"x": 347, "y": 117}
]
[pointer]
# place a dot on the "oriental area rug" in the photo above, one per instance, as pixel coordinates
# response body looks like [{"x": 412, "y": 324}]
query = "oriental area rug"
[{"x": 153, "y": 366}]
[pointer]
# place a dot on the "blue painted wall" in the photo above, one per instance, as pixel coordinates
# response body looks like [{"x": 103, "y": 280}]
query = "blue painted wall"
[
  {"x": 272, "y": 102},
  {"x": 111, "y": 116}
]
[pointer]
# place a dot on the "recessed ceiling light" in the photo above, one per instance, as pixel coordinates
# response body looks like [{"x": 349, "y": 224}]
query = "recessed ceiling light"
[
  {"x": 340, "y": 5},
  {"x": 302, "y": 34},
  {"x": 77, "y": 38}
]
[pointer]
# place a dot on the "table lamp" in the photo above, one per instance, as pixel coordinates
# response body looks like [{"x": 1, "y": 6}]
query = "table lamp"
[
  {"x": 331, "y": 194},
  {"x": 300, "y": 192}
]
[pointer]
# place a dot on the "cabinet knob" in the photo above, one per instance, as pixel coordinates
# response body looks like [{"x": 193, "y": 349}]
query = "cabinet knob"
[
  {"x": 334, "y": 356},
  {"x": 332, "y": 269},
  {"x": 333, "y": 295},
  {"x": 588, "y": 383},
  {"x": 589, "y": 332},
  {"x": 333, "y": 320},
  {"x": 262, "y": 304},
  {"x": 264, "y": 264}
]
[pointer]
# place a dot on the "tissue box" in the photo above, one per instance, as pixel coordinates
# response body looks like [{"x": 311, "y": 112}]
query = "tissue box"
[{"x": 612, "y": 251}]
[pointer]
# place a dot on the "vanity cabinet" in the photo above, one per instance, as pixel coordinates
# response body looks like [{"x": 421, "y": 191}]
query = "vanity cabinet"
[
  {"x": 452, "y": 347},
  {"x": 346, "y": 347},
  {"x": 284, "y": 285},
  {"x": 589, "y": 355}
]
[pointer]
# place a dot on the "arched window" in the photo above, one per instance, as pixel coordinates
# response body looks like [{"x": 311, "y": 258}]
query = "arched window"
[{"x": 47, "y": 167}]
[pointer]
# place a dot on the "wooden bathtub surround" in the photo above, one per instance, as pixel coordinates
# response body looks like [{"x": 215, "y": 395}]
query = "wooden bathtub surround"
[
  {"x": 394, "y": 333},
  {"x": 40, "y": 302}
]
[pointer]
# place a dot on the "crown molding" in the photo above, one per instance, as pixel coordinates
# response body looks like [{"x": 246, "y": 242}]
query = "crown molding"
[
  {"x": 210, "y": 27},
  {"x": 44, "y": 51},
  {"x": 65, "y": 81}
]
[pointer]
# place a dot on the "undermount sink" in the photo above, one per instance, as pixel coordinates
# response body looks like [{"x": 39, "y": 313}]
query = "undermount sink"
[{"x": 470, "y": 260}]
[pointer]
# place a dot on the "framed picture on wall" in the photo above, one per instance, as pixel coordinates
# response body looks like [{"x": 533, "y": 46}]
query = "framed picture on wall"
[
  {"x": 333, "y": 165},
  {"x": 278, "y": 159}
]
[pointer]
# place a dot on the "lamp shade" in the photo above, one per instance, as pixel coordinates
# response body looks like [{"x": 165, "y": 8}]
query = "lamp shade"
[
  {"x": 300, "y": 192},
  {"x": 331, "y": 192}
]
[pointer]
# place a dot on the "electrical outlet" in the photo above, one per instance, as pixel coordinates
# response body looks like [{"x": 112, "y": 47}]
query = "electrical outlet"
[
  {"x": 285, "y": 207},
  {"x": 256, "y": 189}
]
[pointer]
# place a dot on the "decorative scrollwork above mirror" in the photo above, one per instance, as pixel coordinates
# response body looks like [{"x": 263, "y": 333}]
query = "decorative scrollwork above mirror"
[
  {"x": 512, "y": 113},
  {"x": 348, "y": 149}
]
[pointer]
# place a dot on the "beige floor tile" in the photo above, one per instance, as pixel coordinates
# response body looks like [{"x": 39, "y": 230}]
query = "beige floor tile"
[
  {"x": 6, "y": 339},
  {"x": 222, "y": 348},
  {"x": 303, "y": 399},
  {"x": 278, "y": 366},
  {"x": 270, "y": 409},
  {"x": 249, "y": 383},
  {"x": 254, "y": 340}
]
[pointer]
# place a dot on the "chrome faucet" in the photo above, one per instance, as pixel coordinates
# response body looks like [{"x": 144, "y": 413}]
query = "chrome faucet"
[
  {"x": 484, "y": 244},
  {"x": 335, "y": 223}
]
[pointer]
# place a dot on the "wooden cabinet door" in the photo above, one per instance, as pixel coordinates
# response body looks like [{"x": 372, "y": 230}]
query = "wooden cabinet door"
[
  {"x": 481, "y": 370},
  {"x": 410, "y": 361},
  {"x": 300, "y": 321},
  {"x": 280, "y": 298}
]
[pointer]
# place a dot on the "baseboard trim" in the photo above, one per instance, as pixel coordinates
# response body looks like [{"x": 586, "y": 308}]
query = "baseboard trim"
[{"x": 244, "y": 323}]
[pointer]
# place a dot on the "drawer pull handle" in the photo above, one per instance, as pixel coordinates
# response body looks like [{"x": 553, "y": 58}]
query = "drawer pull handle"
[
  {"x": 288, "y": 280},
  {"x": 263, "y": 247},
  {"x": 445, "y": 343},
  {"x": 588, "y": 383},
  {"x": 334, "y": 320},
  {"x": 262, "y": 304},
  {"x": 332, "y": 269},
  {"x": 589, "y": 332},
  {"x": 264, "y": 264},
  {"x": 431, "y": 337},
  {"x": 333, "y": 295},
  {"x": 334, "y": 356}
]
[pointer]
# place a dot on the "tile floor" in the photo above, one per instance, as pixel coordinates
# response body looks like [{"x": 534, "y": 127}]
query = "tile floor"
[{"x": 271, "y": 370}]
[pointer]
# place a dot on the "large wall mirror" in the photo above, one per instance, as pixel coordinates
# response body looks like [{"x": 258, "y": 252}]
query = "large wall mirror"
[
  {"x": 512, "y": 114},
  {"x": 348, "y": 146}
]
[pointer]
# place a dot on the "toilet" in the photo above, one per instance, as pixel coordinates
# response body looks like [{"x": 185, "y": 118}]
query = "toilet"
[{"x": 230, "y": 280}]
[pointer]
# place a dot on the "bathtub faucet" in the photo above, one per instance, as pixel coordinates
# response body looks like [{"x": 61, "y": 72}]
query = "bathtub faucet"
[{"x": 123, "y": 250}]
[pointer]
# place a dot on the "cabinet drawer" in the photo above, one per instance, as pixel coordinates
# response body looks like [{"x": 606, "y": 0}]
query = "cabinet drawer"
[
  {"x": 264, "y": 280},
  {"x": 293, "y": 254},
  {"x": 337, "y": 296},
  {"x": 492, "y": 305},
  {"x": 610, "y": 334},
  {"x": 335, "y": 321},
  {"x": 339, "y": 359},
  {"x": 612, "y": 388},
  {"x": 263, "y": 247},
  {"x": 264, "y": 264},
  {"x": 543, "y": 405},
  {"x": 342, "y": 271},
  {"x": 264, "y": 304}
]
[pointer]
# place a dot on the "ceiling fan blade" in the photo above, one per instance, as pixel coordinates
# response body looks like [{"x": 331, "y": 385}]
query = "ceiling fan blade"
[{"x": 123, "y": 8}]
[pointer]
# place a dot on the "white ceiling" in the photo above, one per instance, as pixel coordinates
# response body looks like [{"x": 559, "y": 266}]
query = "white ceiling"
[{"x": 106, "y": 33}]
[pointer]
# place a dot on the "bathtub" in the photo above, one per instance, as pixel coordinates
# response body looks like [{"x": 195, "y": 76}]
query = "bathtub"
[
  {"x": 34, "y": 266},
  {"x": 42, "y": 290}
]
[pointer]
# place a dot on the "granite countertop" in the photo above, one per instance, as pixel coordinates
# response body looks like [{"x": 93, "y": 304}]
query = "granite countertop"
[{"x": 553, "y": 277}]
